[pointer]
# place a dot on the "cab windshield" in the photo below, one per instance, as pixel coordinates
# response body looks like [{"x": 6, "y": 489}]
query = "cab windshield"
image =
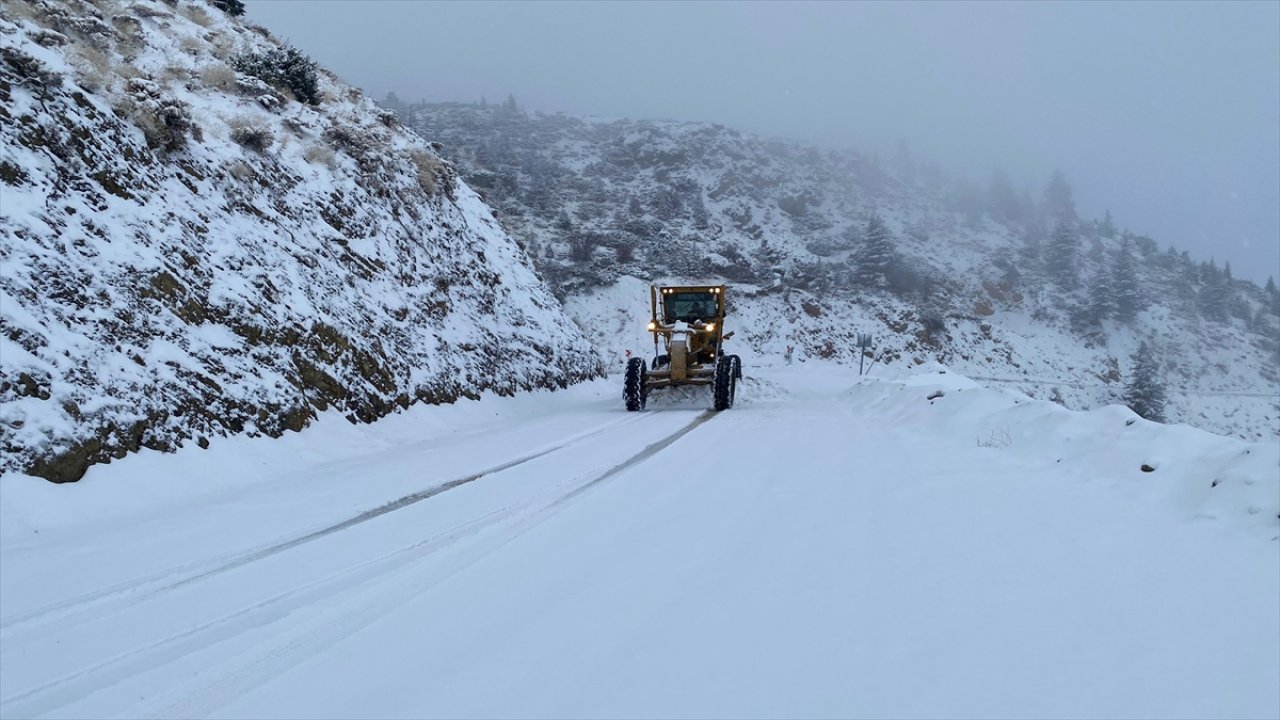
[{"x": 688, "y": 306}]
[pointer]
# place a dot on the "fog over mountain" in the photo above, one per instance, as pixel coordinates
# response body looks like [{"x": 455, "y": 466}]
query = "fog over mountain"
[{"x": 1168, "y": 115}]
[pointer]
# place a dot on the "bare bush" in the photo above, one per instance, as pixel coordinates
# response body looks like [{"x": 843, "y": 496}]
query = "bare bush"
[
  {"x": 240, "y": 170},
  {"x": 166, "y": 122},
  {"x": 996, "y": 439},
  {"x": 126, "y": 71},
  {"x": 348, "y": 139},
  {"x": 219, "y": 76},
  {"x": 49, "y": 38},
  {"x": 24, "y": 10},
  {"x": 428, "y": 167},
  {"x": 319, "y": 155},
  {"x": 251, "y": 132},
  {"x": 147, "y": 11},
  {"x": 96, "y": 68},
  {"x": 222, "y": 43},
  {"x": 176, "y": 73},
  {"x": 91, "y": 28},
  {"x": 196, "y": 14},
  {"x": 192, "y": 44},
  {"x": 128, "y": 28}
]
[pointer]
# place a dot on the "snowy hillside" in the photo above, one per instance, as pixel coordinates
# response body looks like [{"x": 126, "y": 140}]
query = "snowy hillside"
[
  {"x": 912, "y": 545},
  {"x": 970, "y": 275},
  {"x": 202, "y": 234}
]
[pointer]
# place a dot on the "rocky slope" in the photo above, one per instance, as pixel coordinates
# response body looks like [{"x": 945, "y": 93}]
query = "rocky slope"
[
  {"x": 605, "y": 207},
  {"x": 203, "y": 234}
]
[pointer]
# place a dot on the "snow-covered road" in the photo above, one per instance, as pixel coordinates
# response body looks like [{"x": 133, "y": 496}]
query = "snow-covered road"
[{"x": 826, "y": 548}]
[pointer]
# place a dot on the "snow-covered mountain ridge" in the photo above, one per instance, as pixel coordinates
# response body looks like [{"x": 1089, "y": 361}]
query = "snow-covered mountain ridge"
[
  {"x": 191, "y": 250},
  {"x": 970, "y": 282}
]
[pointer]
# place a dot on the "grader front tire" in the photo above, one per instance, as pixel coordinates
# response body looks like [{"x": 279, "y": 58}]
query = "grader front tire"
[
  {"x": 633, "y": 394},
  {"x": 726, "y": 381}
]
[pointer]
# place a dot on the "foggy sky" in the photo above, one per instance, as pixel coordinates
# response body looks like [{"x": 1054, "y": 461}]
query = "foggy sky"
[{"x": 1168, "y": 114}]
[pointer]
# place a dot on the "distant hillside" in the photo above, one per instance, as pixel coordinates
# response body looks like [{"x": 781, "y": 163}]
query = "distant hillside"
[
  {"x": 1004, "y": 284},
  {"x": 201, "y": 233}
]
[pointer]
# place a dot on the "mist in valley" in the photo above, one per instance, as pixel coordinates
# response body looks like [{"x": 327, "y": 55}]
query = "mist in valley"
[{"x": 1166, "y": 115}]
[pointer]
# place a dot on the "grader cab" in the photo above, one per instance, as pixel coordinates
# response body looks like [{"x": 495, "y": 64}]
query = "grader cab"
[{"x": 688, "y": 338}]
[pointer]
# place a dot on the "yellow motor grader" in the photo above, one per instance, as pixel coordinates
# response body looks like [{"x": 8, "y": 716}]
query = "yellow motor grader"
[{"x": 688, "y": 337}]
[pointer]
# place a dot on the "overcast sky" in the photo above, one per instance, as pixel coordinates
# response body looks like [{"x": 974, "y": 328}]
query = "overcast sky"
[{"x": 1168, "y": 114}]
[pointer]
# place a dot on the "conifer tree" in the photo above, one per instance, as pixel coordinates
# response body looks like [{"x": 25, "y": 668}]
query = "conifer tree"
[
  {"x": 876, "y": 254},
  {"x": 1108, "y": 227},
  {"x": 1058, "y": 200},
  {"x": 1102, "y": 303},
  {"x": 1145, "y": 393},
  {"x": 698, "y": 210},
  {"x": 1212, "y": 299},
  {"x": 1060, "y": 255},
  {"x": 1032, "y": 249},
  {"x": 1124, "y": 283}
]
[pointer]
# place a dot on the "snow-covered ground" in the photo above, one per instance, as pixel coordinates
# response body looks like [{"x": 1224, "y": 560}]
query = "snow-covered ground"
[{"x": 828, "y": 547}]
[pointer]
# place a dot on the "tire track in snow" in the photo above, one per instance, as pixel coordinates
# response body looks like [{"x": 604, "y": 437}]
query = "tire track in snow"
[
  {"x": 90, "y": 605},
  {"x": 332, "y": 625}
]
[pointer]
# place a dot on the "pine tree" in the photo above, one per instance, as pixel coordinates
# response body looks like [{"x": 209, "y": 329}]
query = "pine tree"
[
  {"x": 1060, "y": 256},
  {"x": 876, "y": 254},
  {"x": 698, "y": 210},
  {"x": 1186, "y": 278},
  {"x": 1102, "y": 302},
  {"x": 1108, "y": 227},
  {"x": 1259, "y": 322},
  {"x": 1145, "y": 394},
  {"x": 1002, "y": 202},
  {"x": 1124, "y": 282},
  {"x": 1058, "y": 201},
  {"x": 1097, "y": 253},
  {"x": 1212, "y": 299},
  {"x": 1032, "y": 249}
]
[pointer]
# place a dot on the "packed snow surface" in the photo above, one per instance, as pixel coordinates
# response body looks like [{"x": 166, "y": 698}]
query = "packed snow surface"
[{"x": 898, "y": 546}]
